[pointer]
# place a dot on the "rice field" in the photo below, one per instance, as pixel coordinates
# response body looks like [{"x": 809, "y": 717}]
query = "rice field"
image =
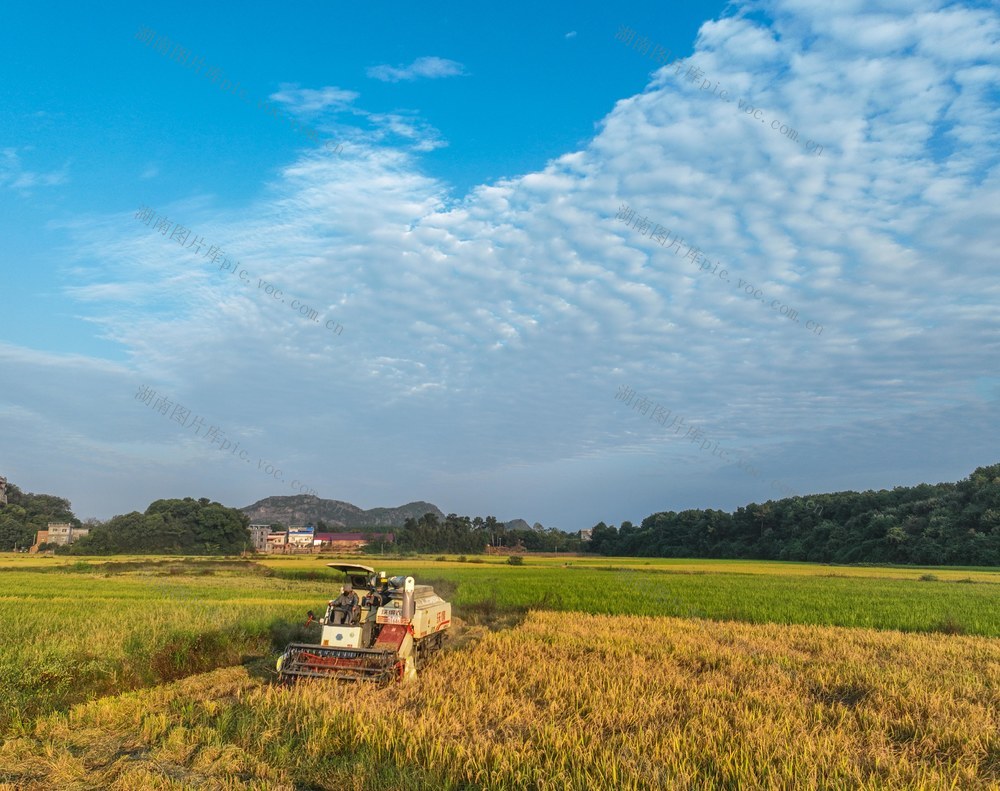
[
  {"x": 73, "y": 634},
  {"x": 580, "y": 673},
  {"x": 952, "y": 600},
  {"x": 564, "y": 701}
]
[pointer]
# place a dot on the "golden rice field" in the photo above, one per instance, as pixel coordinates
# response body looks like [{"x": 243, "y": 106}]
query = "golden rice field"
[
  {"x": 569, "y": 674},
  {"x": 564, "y": 701}
]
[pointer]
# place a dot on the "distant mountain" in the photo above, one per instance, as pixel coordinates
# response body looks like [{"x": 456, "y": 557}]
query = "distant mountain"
[
  {"x": 303, "y": 509},
  {"x": 520, "y": 524}
]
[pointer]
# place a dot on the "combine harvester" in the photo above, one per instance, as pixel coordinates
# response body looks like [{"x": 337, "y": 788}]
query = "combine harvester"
[{"x": 396, "y": 626}]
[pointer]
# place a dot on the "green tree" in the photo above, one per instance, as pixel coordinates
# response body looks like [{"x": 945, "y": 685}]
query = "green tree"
[
  {"x": 25, "y": 514},
  {"x": 185, "y": 526},
  {"x": 603, "y": 539}
]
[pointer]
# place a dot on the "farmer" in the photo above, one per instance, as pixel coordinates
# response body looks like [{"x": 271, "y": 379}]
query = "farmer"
[{"x": 345, "y": 607}]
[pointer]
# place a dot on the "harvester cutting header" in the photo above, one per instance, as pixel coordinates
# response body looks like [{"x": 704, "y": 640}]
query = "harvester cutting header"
[{"x": 383, "y": 635}]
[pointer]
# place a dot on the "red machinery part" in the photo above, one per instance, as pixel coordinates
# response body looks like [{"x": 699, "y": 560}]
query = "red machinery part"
[{"x": 391, "y": 637}]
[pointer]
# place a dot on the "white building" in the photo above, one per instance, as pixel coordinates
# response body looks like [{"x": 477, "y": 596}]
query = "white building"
[
  {"x": 258, "y": 537},
  {"x": 61, "y": 533}
]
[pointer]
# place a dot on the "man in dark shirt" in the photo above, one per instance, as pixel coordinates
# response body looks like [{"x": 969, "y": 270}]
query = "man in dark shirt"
[{"x": 345, "y": 607}]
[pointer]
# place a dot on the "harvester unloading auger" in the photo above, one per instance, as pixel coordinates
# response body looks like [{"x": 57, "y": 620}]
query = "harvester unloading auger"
[{"x": 382, "y": 636}]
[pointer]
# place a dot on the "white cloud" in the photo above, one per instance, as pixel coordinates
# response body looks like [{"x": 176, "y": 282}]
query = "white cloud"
[
  {"x": 310, "y": 101},
  {"x": 421, "y": 135},
  {"x": 394, "y": 128},
  {"x": 485, "y": 337},
  {"x": 15, "y": 176},
  {"x": 430, "y": 67}
]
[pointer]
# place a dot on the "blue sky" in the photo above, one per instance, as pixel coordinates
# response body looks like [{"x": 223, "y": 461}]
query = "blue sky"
[{"x": 805, "y": 295}]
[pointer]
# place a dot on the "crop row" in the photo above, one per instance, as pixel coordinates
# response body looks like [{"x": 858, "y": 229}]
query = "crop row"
[{"x": 567, "y": 701}]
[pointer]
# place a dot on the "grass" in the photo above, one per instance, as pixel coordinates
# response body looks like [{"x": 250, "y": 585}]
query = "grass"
[
  {"x": 619, "y": 672},
  {"x": 790, "y": 593},
  {"x": 77, "y": 633},
  {"x": 567, "y": 702},
  {"x": 706, "y": 565}
]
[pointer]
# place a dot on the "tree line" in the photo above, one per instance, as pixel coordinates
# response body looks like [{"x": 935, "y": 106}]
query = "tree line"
[
  {"x": 927, "y": 524},
  {"x": 188, "y": 526},
  {"x": 461, "y": 534}
]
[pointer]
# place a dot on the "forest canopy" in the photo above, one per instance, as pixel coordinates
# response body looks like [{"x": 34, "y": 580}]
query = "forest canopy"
[
  {"x": 26, "y": 513},
  {"x": 458, "y": 534},
  {"x": 188, "y": 526},
  {"x": 927, "y": 524}
]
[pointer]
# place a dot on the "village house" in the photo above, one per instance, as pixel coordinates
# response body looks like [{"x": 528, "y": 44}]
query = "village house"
[
  {"x": 299, "y": 539},
  {"x": 277, "y": 541},
  {"x": 258, "y": 537},
  {"x": 60, "y": 533},
  {"x": 349, "y": 543}
]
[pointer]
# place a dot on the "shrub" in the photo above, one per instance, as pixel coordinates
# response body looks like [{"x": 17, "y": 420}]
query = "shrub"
[
  {"x": 188, "y": 652},
  {"x": 515, "y": 560},
  {"x": 949, "y": 625},
  {"x": 928, "y": 578}
]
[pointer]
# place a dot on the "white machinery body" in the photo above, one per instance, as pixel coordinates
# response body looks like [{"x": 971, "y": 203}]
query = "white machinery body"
[
  {"x": 341, "y": 636},
  {"x": 385, "y": 642},
  {"x": 431, "y": 613}
]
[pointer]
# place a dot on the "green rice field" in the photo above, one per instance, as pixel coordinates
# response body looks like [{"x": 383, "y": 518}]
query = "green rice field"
[{"x": 78, "y": 629}]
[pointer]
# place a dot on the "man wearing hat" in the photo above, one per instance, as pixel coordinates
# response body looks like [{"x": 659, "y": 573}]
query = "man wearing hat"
[{"x": 345, "y": 607}]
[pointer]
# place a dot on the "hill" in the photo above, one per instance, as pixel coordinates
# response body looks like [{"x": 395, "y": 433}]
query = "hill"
[
  {"x": 303, "y": 509},
  {"x": 929, "y": 524}
]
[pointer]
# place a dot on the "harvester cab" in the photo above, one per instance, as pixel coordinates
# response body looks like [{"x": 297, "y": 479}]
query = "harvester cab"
[{"x": 379, "y": 628}]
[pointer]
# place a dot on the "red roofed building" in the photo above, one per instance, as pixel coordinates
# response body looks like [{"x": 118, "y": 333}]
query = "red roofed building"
[{"x": 349, "y": 542}]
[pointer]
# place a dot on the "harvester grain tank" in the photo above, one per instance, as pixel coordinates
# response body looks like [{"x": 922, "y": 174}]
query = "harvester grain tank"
[{"x": 396, "y": 626}]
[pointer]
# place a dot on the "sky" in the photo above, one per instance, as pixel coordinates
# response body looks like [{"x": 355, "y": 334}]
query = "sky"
[{"x": 564, "y": 264}]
